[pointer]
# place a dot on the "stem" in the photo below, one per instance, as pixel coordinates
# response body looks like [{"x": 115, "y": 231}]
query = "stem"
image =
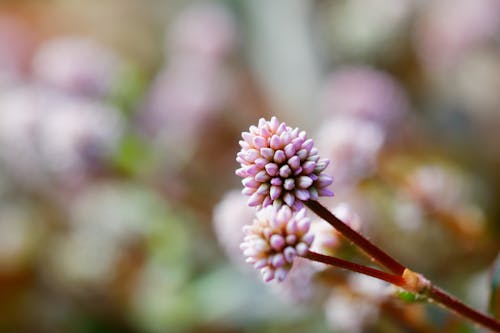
[
  {"x": 371, "y": 249},
  {"x": 450, "y": 302},
  {"x": 401, "y": 277},
  {"x": 408, "y": 282},
  {"x": 337, "y": 262}
]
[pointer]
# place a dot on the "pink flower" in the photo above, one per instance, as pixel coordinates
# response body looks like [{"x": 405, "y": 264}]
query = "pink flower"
[
  {"x": 279, "y": 165},
  {"x": 207, "y": 31},
  {"x": 354, "y": 141},
  {"x": 365, "y": 93},
  {"x": 275, "y": 239},
  {"x": 469, "y": 25}
]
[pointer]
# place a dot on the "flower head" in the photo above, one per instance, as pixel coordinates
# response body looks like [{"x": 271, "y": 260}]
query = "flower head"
[
  {"x": 279, "y": 165},
  {"x": 275, "y": 239}
]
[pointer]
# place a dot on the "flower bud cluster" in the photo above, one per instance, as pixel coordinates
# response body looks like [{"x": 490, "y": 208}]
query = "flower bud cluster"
[
  {"x": 281, "y": 169},
  {"x": 275, "y": 239},
  {"x": 280, "y": 166}
]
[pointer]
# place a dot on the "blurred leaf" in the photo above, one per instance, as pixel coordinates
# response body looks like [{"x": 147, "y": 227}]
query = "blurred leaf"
[
  {"x": 409, "y": 297},
  {"x": 134, "y": 156},
  {"x": 465, "y": 328},
  {"x": 226, "y": 295},
  {"x": 128, "y": 91},
  {"x": 494, "y": 304}
]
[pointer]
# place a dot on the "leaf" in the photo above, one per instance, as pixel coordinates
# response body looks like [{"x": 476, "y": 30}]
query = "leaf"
[
  {"x": 494, "y": 304},
  {"x": 409, "y": 297}
]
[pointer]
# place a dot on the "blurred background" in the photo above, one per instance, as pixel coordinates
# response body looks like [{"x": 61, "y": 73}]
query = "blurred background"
[{"x": 119, "y": 125}]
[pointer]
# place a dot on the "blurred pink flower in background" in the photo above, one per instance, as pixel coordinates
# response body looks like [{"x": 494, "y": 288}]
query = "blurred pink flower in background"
[
  {"x": 111, "y": 111},
  {"x": 447, "y": 30},
  {"x": 183, "y": 97},
  {"x": 365, "y": 93},
  {"x": 77, "y": 65},
  {"x": 194, "y": 85},
  {"x": 205, "y": 31},
  {"x": 352, "y": 144}
]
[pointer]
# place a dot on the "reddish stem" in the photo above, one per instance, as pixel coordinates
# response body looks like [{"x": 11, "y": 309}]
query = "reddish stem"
[
  {"x": 371, "y": 249},
  {"x": 450, "y": 302},
  {"x": 393, "y": 265},
  {"x": 341, "y": 263}
]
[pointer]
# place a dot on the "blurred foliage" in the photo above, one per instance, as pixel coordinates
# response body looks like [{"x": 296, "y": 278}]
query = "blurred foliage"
[{"x": 119, "y": 125}]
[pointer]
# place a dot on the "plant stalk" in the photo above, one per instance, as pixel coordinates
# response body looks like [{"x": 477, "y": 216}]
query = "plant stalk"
[
  {"x": 371, "y": 249},
  {"x": 449, "y": 302},
  {"x": 400, "y": 276},
  {"x": 351, "y": 266}
]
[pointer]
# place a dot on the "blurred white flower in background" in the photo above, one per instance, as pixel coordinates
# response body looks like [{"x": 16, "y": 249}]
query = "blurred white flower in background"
[
  {"x": 348, "y": 313},
  {"x": 108, "y": 221},
  {"x": 351, "y": 310},
  {"x": 299, "y": 285},
  {"x": 229, "y": 217},
  {"x": 48, "y": 137}
]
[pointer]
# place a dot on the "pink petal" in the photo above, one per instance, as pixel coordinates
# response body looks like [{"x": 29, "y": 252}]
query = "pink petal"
[
  {"x": 285, "y": 171},
  {"x": 275, "y": 142},
  {"x": 275, "y": 192},
  {"x": 294, "y": 162},
  {"x": 279, "y": 156},
  {"x": 272, "y": 169},
  {"x": 289, "y": 184},
  {"x": 267, "y": 153}
]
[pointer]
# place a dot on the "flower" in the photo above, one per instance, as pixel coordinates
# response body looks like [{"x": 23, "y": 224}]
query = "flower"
[
  {"x": 365, "y": 93},
  {"x": 206, "y": 31},
  {"x": 229, "y": 217},
  {"x": 354, "y": 141},
  {"x": 469, "y": 25},
  {"x": 77, "y": 65},
  {"x": 279, "y": 165},
  {"x": 51, "y": 138},
  {"x": 275, "y": 239}
]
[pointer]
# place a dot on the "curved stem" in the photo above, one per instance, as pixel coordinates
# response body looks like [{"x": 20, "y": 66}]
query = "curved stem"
[
  {"x": 371, "y": 249},
  {"x": 341, "y": 263}
]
